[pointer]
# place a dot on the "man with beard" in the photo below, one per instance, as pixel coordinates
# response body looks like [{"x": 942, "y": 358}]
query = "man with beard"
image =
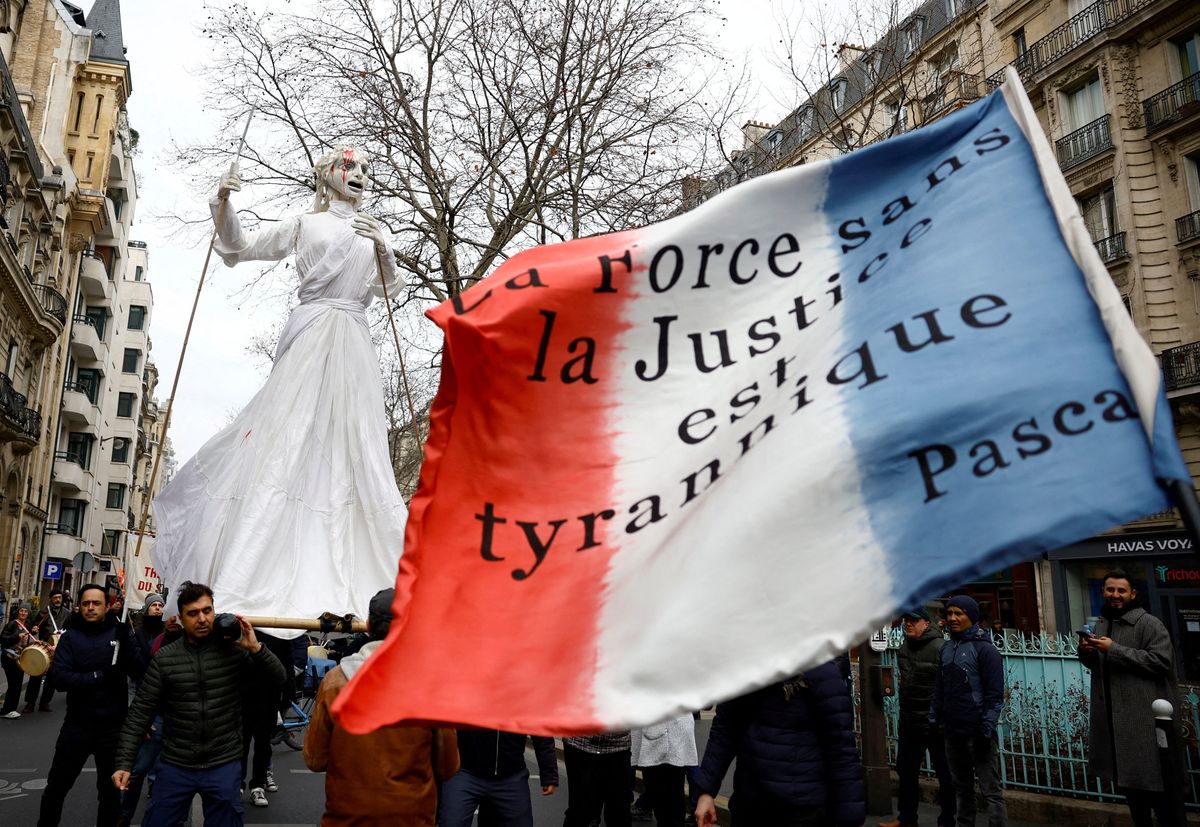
[
  {"x": 1133, "y": 664},
  {"x": 94, "y": 660},
  {"x": 48, "y": 625}
]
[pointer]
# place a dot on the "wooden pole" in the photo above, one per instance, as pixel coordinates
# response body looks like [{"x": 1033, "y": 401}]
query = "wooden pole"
[
  {"x": 387, "y": 300},
  {"x": 328, "y": 624}
]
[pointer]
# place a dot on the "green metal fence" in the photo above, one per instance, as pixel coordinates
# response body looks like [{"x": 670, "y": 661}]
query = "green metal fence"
[{"x": 1044, "y": 727}]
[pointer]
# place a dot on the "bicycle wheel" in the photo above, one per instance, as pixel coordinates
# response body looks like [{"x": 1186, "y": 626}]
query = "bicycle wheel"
[{"x": 294, "y": 738}]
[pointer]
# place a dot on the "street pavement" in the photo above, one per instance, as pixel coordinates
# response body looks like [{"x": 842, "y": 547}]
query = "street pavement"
[{"x": 27, "y": 746}]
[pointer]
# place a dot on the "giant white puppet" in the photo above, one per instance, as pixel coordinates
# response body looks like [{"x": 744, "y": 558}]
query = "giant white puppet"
[{"x": 292, "y": 510}]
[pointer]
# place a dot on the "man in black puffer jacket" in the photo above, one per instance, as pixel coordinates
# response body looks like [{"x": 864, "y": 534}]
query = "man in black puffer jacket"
[
  {"x": 797, "y": 762},
  {"x": 198, "y": 683},
  {"x": 93, "y": 662},
  {"x": 918, "y": 660},
  {"x": 493, "y": 777}
]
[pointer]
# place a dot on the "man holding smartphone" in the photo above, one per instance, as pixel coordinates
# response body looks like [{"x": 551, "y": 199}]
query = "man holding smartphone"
[{"x": 1132, "y": 664}]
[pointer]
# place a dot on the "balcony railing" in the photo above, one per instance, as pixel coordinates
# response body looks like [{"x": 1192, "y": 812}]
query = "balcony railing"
[
  {"x": 14, "y": 407},
  {"x": 1085, "y": 143},
  {"x": 1181, "y": 366},
  {"x": 1173, "y": 104},
  {"x": 954, "y": 90},
  {"x": 52, "y": 301},
  {"x": 1077, "y": 31},
  {"x": 1188, "y": 227},
  {"x": 1112, "y": 248},
  {"x": 68, "y": 456},
  {"x": 81, "y": 387}
]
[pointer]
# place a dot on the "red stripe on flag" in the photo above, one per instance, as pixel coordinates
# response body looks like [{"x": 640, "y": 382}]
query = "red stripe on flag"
[{"x": 531, "y": 437}]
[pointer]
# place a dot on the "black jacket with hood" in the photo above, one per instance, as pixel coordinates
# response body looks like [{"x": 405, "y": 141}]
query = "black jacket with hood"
[{"x": 93, "y": 663}]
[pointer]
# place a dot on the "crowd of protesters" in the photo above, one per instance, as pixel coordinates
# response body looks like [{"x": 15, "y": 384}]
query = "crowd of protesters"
[{"x": 206, "y": 695}]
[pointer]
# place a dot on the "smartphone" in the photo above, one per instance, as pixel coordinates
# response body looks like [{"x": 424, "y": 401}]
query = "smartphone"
[{"x": 1085, "y": 634}]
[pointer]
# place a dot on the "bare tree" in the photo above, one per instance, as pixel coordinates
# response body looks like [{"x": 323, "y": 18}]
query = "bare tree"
[{"x": 493, "y": 124}]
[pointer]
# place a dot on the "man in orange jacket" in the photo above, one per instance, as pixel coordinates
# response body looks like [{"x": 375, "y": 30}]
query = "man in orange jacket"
[{"x": 388, "y": 776}]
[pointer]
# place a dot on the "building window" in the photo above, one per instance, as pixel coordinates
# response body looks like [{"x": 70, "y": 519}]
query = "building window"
[
  {"x": 953, "y": 7},
  {"x": 89, "y": 380},
  {"x": 91, "y": 159},
  {"x": 80, "y": 446},
  {"x": 125, "y": 404},
  {"x": 10, "y": 367},
  {"x": 129, "y": 364},
  {"x": 137, "y": 316},
  {"x": 1100, "y": 213},
  {"x": 1191, "y": 172},
  {"x": 116, "y": 495},
  {"x": 99, "y": 317},
  {"x": 913, "y": 34},
  {"x": 96, "y": 120},
  {"x": 78, "y": 111},
  {"x": 837, "y": 94},
  {"x": 70, "y": 517},
  {"x": 1019, "y": 42},
  {"x": 1188, "y": 52},
  {"x": 897, "y": 115},
  {"x": 1085, "y": 104},
  {"x": 111, "y": 545},
  {"x": 806, "y": 121},
  {"x": 137, "y": 273},
  {"x": 120, "y": 449}
]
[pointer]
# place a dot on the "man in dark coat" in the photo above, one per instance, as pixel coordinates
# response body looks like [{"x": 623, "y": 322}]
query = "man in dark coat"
[
  {"x": 93, "y": 663},
  {"x": 797, "y": 761},
  {"x": 968, "y": 696},
  {"x": 1132, "y": 664},
  {"x": 493, "y": 777},
  {"x": 918, "y": 660},
  {"x": 197, "y": 683}
]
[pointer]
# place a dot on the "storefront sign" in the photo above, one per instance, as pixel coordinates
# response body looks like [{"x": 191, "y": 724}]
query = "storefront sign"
[
  {"x": 1126, "y": 545},
  {"x": 1177, "y": 575}
]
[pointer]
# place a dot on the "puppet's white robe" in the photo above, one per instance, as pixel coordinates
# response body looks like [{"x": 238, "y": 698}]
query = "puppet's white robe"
[{"x": 293, "y": 510}]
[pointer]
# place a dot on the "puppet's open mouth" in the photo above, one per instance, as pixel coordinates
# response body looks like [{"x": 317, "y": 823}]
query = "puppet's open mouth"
[{"x": 354, "y": 185}]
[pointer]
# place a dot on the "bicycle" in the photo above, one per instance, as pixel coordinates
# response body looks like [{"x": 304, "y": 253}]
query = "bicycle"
[{"x": 293, "y": 721}]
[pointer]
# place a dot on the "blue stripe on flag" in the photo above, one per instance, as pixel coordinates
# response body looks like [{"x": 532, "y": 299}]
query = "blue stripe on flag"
[{"x": 995, "y": 492}]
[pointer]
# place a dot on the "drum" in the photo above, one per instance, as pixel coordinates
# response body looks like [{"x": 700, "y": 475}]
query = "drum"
[{"x": 35, "y": 659}]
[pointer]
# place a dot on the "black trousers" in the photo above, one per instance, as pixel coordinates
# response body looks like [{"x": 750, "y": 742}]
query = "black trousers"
[
  {"x": 664, "y": 789},
  {"x": 15, "y": 677},
  {"x": 745, "y": 813},
  {"x": 1142, "y": 802},
  {"x": 75, "y": 743},
  {"x": 44, "y": 683},
  {"x": 910, "y": 754},
  {"x": 595, "y": 784},
  {"x": 258, "y": 725}
]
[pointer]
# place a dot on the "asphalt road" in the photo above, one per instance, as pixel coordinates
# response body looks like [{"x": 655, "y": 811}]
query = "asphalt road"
[{"x": 27, "y": 747}]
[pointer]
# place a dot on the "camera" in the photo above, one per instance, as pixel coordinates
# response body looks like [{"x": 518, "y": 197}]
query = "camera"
[{"x": 227, "y": 628}]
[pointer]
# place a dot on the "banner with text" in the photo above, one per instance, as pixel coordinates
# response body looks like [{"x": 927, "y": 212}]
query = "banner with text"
[{"x": 669, "y": 465}]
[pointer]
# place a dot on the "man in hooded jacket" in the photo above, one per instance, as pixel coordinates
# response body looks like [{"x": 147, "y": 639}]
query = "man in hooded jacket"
[
  {"x": 968, "y": 696},
  {"x": 93, "y": 663}
]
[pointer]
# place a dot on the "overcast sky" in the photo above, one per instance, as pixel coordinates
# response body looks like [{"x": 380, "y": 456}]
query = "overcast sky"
[{"x": 165, "y": 48}]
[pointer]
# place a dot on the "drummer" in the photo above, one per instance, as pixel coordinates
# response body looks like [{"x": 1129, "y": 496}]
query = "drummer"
[
  {"x": 14, "y": 637},
  {"x": 48, "y": 626}
]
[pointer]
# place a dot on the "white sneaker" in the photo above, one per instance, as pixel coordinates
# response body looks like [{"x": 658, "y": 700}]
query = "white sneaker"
[
  {"x": 271, "y": 786},
  {"x": 258, "y": 798},
  {"x": 13, "y": 714}
]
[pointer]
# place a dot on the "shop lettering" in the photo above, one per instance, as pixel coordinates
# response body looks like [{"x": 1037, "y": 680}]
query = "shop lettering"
[
  {"x": 1135, "y": 546},
  {"x": 1166, "y": 575}
]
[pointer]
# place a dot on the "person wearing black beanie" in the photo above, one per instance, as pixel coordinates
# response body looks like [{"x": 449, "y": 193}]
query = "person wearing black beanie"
[{"x": 968, "y": 696}]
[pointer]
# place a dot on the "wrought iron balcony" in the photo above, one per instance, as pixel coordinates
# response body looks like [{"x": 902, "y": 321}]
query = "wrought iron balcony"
[
  {"x": 81, "y": 387},
  {"x": 52, "y": 301},
  {"x": 955, "y": 90},
  {"x": 1078, "y": 30},
  {"x": 1188, "y": 227},
  {"x": 1112, "y": 248},
  {"x": 1085, "y": 143},
  {"x": 1181, "y": 366},
  {"x": 1173, "y": 104},
  {"x": 20, "y": 420}
]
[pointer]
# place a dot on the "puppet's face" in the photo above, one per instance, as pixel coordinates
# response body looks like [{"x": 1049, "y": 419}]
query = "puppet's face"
[{"x": 346, "y": 177}]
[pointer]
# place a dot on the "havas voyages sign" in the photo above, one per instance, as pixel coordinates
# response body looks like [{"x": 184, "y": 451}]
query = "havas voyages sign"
[{"x": 669, "y": 465}]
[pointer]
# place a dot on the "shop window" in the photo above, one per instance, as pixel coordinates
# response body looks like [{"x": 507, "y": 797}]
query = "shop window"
[
  {"x": 129, "y": 362},
  {"x": 137, "y": 315},
  {"x": 70, "y": 517},
  {"x": 116, "y": 495},
  {"x": 120, "y": 449},
  {"x": 125, "y": 404}
]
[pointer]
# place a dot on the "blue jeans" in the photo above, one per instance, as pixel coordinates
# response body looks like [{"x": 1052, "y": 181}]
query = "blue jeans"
[
  {"x": 219, "y": 789},
  {"x": 501, "y": 800},
  {"x": 143, "y": 768}
]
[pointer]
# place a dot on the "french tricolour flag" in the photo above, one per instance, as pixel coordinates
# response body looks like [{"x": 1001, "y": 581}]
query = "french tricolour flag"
[{"x": 669, "y": 465}]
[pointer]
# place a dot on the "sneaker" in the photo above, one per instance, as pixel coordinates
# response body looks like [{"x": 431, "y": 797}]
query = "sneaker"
[
  {"x": 637, "y": 813},
  {"x": 271, "y": 786},
  {"x": 257, "y": 797},
  {"x": 13, "y": 714}
]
